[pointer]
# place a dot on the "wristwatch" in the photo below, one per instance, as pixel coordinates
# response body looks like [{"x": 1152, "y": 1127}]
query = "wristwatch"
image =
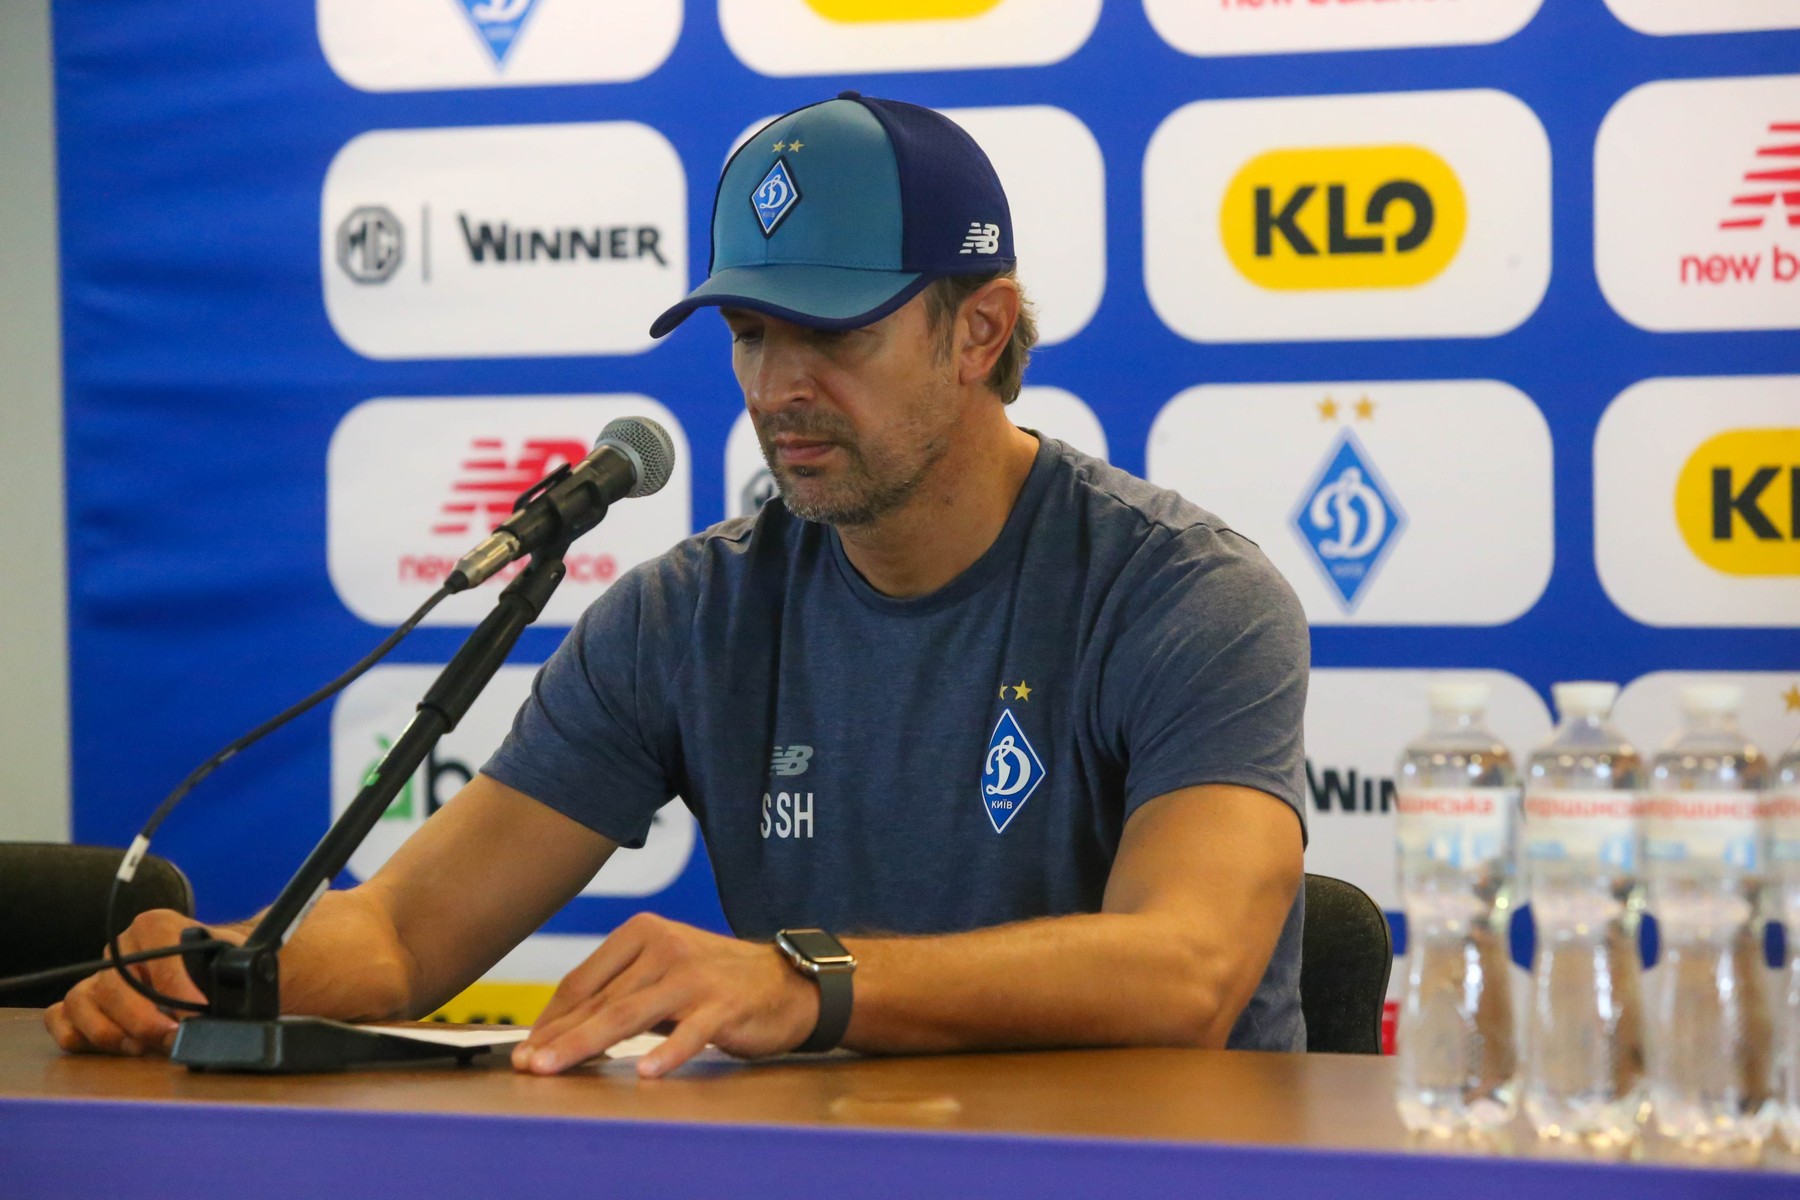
[{"x": 823, "y": 959}]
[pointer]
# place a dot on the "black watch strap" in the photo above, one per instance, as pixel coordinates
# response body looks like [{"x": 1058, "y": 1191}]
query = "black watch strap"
[{"x": 835, "y": 989}]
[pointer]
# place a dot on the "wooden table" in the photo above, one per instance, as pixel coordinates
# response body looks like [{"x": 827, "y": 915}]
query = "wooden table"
[{"x": 1161, "y": 1123}]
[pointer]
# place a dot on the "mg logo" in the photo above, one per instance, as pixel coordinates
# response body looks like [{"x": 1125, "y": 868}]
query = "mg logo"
[
  {"x": 370, "y": 244},
  {"x": 1349, "y": 217}
]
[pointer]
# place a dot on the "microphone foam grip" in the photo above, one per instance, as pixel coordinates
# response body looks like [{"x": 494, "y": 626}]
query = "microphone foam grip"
[{"x": 649, "y": 444}]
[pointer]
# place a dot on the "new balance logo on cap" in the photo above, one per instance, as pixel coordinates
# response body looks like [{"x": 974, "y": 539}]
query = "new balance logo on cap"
[{"x": 982, "y": 239}]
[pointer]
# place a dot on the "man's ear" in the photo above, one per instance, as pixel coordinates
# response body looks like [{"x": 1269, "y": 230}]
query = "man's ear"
[{"x": 983, "y": 328}]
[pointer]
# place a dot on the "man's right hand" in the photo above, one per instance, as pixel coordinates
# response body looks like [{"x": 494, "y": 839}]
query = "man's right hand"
[{"x": 103, "y": 1014}]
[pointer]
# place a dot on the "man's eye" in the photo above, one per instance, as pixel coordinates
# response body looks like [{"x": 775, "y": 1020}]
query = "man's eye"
[{"x": 746, "y": 336}]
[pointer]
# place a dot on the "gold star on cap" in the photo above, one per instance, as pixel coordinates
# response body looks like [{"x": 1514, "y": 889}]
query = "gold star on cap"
[
  {"x": 1792, "y": 698},
  {"x": 1365, "y": 409},
  {"x": 1328, "y": 409},
  {"x": 1021, "y": 692},
  {"x": 795, "y": 146},
  {"x": 780, "y": 146}
]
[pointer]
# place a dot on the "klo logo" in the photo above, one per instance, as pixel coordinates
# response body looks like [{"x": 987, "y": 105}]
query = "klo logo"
[
  {"x": 1737, "y": 501},
  {"x": 1343, "y": 217}
]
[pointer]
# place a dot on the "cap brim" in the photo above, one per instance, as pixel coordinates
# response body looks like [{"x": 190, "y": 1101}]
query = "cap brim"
[{"x": 814, "y": 296}]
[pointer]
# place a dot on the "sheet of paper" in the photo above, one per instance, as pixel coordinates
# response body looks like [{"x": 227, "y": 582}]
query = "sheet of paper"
[{"x": 469, "y": 1037}]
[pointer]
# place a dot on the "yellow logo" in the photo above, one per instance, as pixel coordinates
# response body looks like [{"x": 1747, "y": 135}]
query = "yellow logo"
[
  {"x": 859, "y": 11},
  {"x": 1343, "y": 217},
  {"x": 1737, "y": 501}
]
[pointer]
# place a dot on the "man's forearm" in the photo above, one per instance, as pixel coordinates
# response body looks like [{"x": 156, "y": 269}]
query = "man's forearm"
[
  {"x": 344, "y": 961},
  {"x": 1102, "y": 979}
]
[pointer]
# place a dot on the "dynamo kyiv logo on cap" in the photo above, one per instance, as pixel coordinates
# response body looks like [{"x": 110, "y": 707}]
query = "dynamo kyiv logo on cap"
[
  {"x": 498, "y": 22},
  {"x": 774, "y": 197},
  {"x": 1011, "y": 772},
  {"x": 1348, "y": 519}
]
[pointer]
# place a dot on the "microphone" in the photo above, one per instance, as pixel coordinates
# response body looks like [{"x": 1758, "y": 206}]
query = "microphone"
[{"x": 633, "y": 457}]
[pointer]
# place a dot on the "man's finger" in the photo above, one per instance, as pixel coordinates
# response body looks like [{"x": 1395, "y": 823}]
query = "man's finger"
[
  {"x": 56, "y": 1020},
  {"x": 141, "y": 1021},
  {"x": 640, "y": 974},
  {"x": 94, "y": 1029},
  {"x": 611, "y": 1024},
  {"x": 686, "y": 1040},
  {"x": 620, "y": 949}
]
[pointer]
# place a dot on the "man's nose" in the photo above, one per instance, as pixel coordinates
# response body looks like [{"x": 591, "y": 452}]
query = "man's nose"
[{"x": 780, "y": 377}]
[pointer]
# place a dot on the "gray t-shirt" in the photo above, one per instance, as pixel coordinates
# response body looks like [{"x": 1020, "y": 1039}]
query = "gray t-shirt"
[{"x": 938, "y": 764}]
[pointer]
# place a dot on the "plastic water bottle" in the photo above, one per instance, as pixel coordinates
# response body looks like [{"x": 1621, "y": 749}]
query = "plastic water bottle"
[
  {"x": 1457, "y": 798},
  {"x": 1584, "y": 1043},
  {"x": 1782, "y": 814},
  {"x": 1710, "y": 1032}
]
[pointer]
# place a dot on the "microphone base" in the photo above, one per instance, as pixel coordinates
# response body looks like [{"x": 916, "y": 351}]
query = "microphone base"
[{"x": 299, "y": 1045}]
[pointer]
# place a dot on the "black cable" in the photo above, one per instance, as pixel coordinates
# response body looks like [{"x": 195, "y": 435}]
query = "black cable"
[
  {"x": 81, "y": 970},
  {"x": 141, "y": 843}
]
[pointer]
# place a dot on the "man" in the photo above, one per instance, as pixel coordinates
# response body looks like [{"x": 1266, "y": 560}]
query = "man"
[{"x": 1019, "y": 729}]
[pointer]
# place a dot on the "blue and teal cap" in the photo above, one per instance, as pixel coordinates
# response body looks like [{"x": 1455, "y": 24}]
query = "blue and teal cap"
[{"x": 838, "y": 213}]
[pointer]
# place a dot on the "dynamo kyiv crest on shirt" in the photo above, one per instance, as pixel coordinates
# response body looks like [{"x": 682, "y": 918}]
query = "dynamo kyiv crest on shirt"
[
  {"x": 498, "y": 22},
  {"x": 1010, "y": 773}
]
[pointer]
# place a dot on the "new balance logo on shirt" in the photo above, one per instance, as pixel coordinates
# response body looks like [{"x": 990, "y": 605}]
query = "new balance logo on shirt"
[{"x": 790, "y": 760}]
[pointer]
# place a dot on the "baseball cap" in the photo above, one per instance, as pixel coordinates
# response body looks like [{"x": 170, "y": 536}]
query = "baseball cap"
[{"x": 834, "y": 215}]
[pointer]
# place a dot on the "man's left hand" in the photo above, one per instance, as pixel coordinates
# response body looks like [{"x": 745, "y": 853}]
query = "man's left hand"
[{"x": 654, "y": 973}]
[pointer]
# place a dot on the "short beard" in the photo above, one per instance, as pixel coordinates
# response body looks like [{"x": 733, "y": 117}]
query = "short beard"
[{"x": 859, "y": 498}]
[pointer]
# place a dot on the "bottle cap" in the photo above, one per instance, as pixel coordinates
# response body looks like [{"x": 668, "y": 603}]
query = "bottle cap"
[
  {"x": 1711, "y": 699},
  {"x": 1585, "y": 698},
  {"x": 1458, "y": 695}
]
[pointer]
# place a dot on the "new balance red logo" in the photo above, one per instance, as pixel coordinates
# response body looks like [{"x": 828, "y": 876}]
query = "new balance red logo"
[
  {"x": 1775, "y": 179},
  {"x": 482, "y": 495}
]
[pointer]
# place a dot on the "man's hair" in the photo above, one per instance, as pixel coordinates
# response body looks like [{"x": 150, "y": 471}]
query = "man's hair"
[{"x": 944, "y": 299}]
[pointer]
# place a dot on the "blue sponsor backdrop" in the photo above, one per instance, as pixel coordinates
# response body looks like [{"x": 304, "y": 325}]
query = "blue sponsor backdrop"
[{"x": 204, "y": 381}]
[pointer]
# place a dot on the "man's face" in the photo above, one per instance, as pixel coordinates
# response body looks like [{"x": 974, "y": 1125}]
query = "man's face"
[{"x": 851, "y": 422}]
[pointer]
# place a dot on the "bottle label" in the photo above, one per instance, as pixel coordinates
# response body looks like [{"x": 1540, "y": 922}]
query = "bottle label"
[
  {"x": 1582, "y": 826},
  {"x": 1781, "y": 811},
  {"x": 1459, "y": 827},
  {"x": 1720, "y": 828}
]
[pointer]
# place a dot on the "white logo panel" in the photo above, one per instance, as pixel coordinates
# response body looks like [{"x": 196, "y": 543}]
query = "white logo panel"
[
  {"x": 1649, "y": 709},
  {"x": 369, "y": 717},
  {"x": 413, "y": 484},
  {"x": 1055, "y": 181},
  {"x": 1357, "y": 724},
  {"x": 1650, "y": 530},
  {"x": 830, "y": 37},
  {"x": 1382, "y": 503},
  {"x": 1705, "y": 16},
  {"x": 1060, "y": 415},
  {"x": 411, "y": 45},
  {"x": 1215, "y": 27},
  {"x": 1697, "y": 204},
  {"x": 502, "y": 241},
  {"x": 1050, "y": 411},
  {"x": 1491, "y": 212}
]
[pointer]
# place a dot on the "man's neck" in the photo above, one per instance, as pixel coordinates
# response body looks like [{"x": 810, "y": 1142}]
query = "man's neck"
[{"x": 951, "y": 521}]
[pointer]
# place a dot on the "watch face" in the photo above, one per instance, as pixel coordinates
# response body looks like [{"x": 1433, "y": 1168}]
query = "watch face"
[{"x": 815, "y": 945}]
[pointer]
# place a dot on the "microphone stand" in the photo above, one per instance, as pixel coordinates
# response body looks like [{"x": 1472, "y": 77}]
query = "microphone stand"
[{"x": 244, "y": 1030}]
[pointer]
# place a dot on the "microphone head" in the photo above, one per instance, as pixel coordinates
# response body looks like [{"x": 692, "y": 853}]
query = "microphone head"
[{"x": 647, "y": 444}]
